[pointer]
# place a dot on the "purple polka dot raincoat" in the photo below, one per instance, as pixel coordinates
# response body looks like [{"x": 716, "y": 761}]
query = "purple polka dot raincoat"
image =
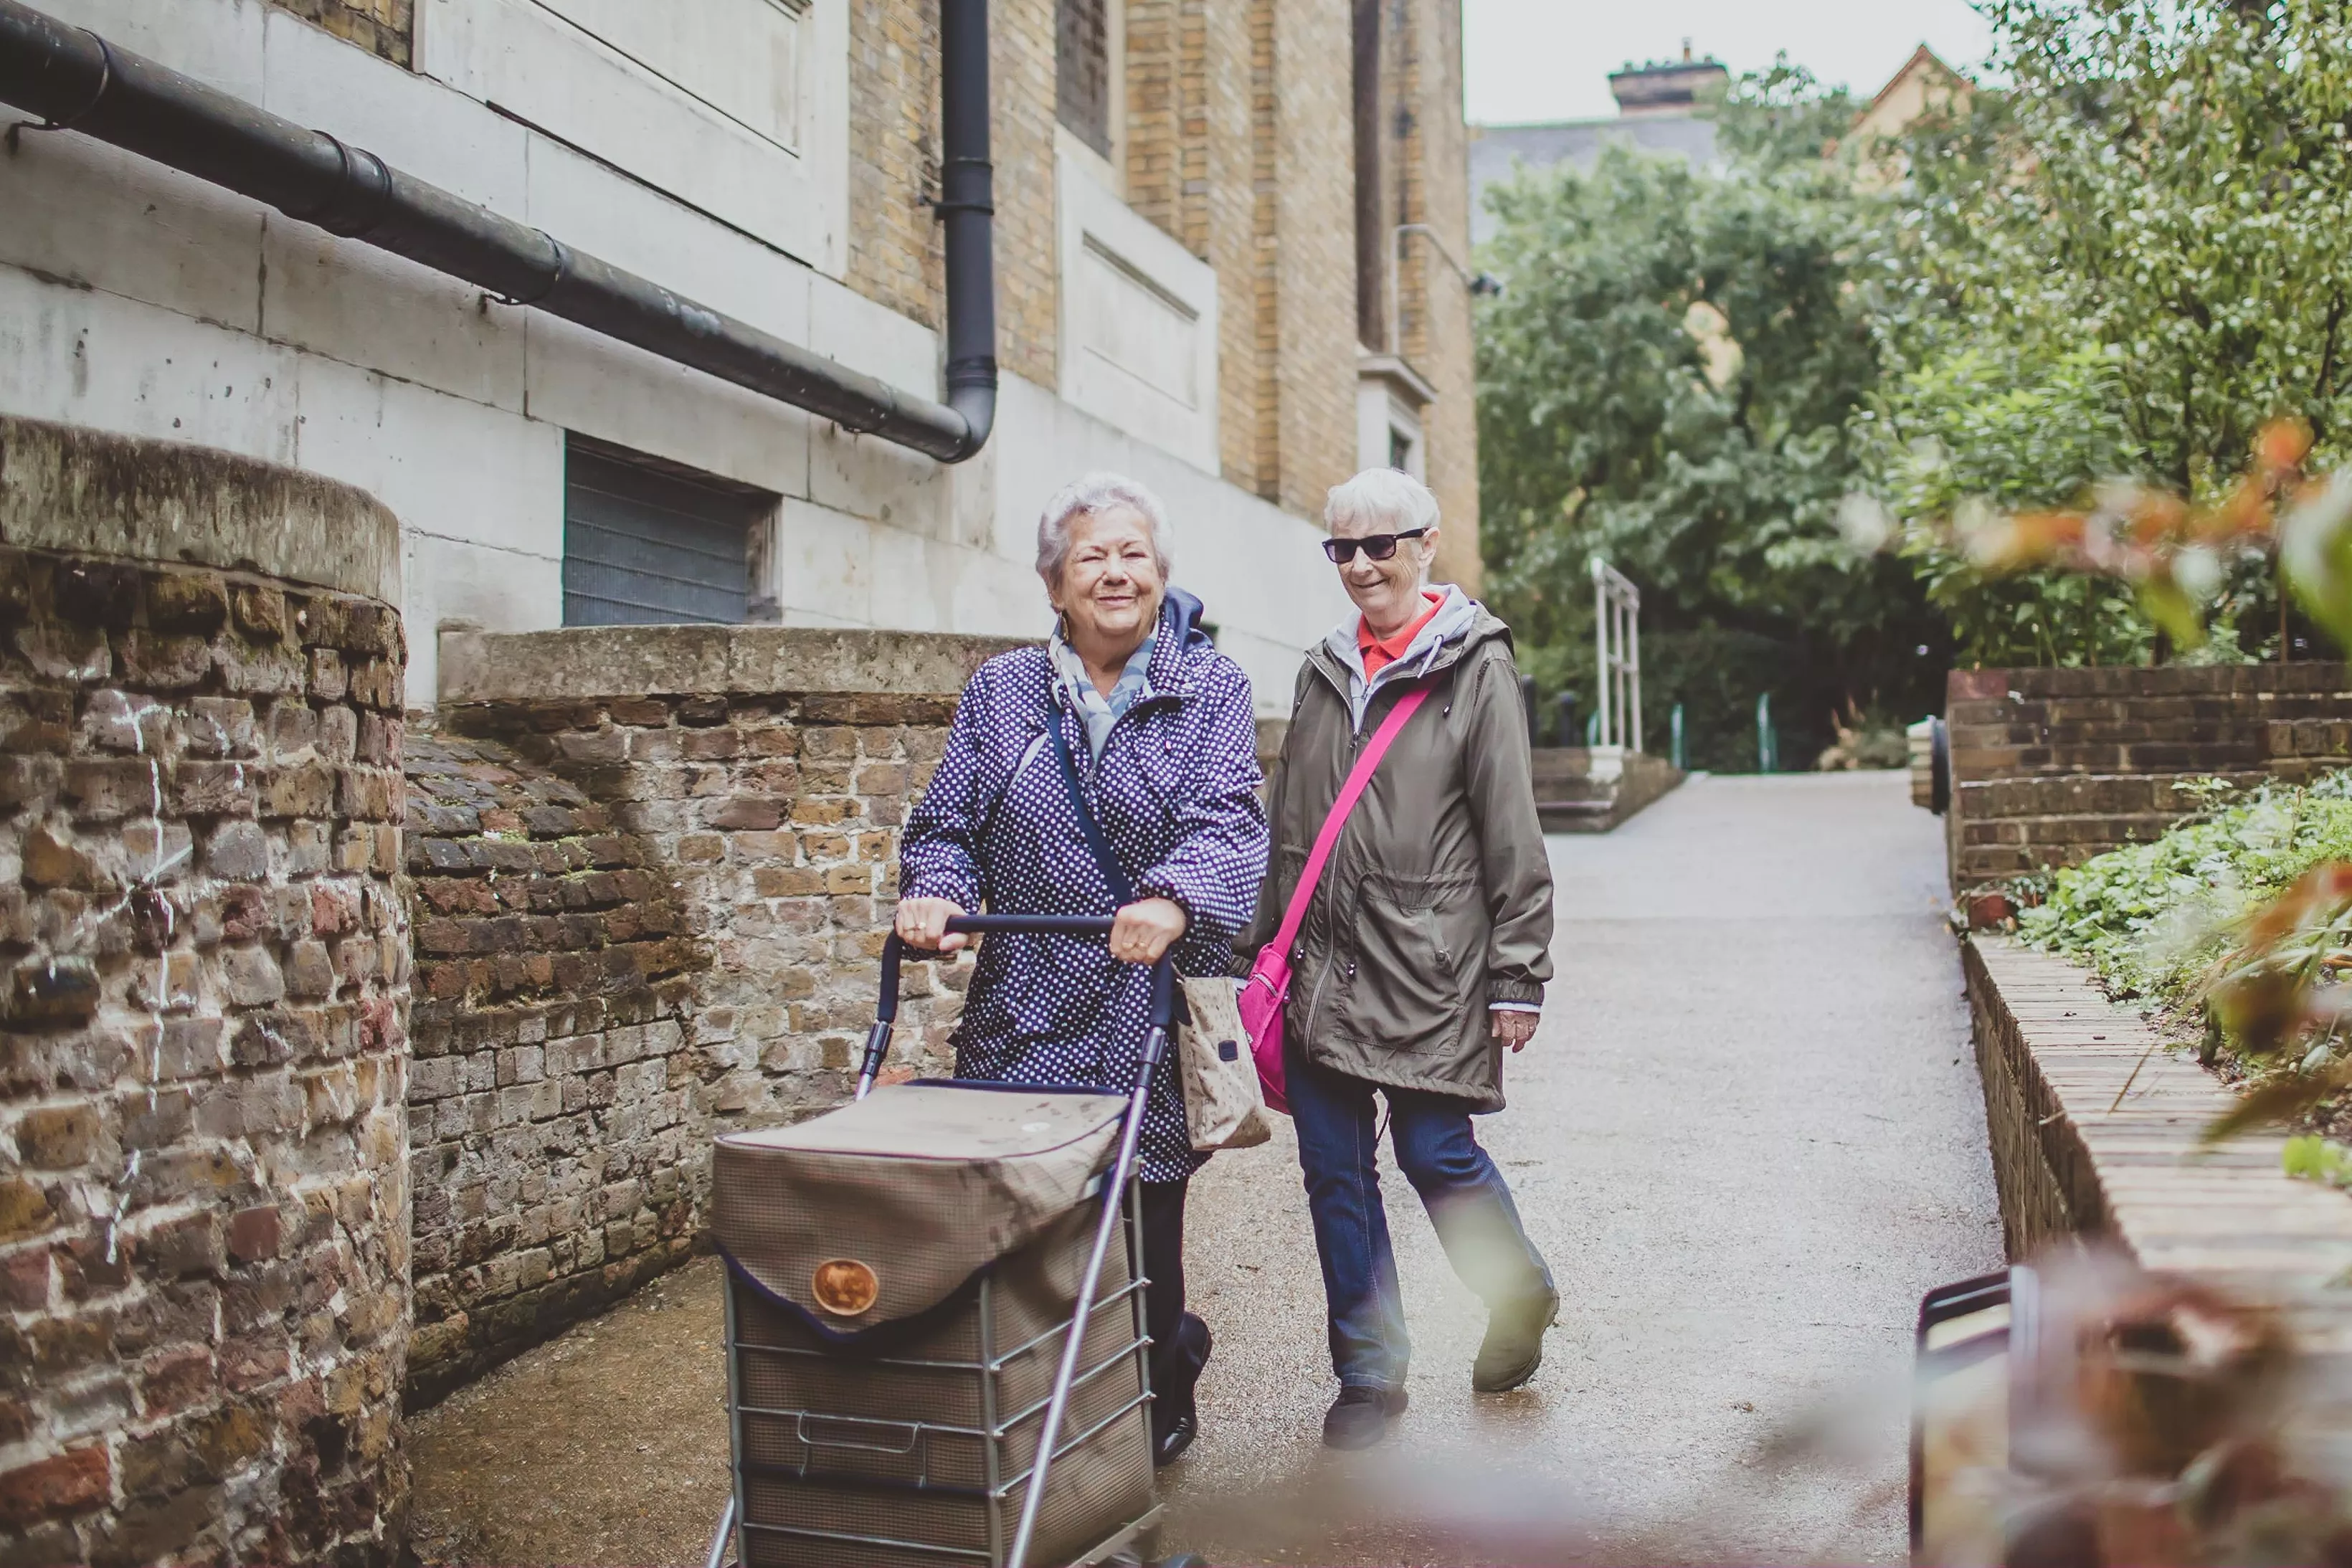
[{"x": 1176, "y": 793}]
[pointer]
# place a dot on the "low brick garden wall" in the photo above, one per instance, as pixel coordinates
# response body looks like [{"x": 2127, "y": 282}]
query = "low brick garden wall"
[
  {"x": 203, "y": 1215},
  {"x": 550, "y": 1110},
  {"x": 2052, "y": 767},
  {"x": 2095, "y": 1132},
  {"x": 650, "y": 868}
]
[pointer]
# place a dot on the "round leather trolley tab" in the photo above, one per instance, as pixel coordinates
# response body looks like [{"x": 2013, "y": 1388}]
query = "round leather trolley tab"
[{"x": 845, "y": 1286}]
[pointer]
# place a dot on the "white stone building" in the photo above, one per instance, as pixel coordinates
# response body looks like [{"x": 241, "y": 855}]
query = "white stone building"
[{"x": 543, "y": 473}]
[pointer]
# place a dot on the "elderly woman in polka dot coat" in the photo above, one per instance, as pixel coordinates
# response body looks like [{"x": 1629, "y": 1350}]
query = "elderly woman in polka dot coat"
[{"x": 1160, "y": 727}]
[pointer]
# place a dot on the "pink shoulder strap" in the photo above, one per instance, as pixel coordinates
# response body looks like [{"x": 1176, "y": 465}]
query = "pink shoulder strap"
[{"x": 1359, "y": 777}]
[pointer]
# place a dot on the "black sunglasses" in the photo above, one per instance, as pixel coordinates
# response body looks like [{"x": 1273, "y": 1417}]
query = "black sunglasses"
[{"x": 1380, "y": 547}]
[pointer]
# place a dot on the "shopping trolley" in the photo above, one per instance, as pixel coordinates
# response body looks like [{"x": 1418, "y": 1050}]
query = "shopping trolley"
[{"x": 935, "y": 1351}]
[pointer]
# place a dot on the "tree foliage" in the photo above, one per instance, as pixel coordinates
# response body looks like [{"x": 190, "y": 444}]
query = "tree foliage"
[
  {"x": 2125, "y": 265},
  {"x": 1668, "y": 381}
]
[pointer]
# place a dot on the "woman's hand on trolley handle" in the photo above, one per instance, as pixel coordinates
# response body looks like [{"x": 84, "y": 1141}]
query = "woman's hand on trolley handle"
[
  {"x": 1139, "y": 933},
  {"x": 922, "y": 925},
  {"x": 1142, "y": 931}
]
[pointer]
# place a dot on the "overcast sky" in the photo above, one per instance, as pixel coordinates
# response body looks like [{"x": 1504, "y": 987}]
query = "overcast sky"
[{"x": 1550, "y": 60}]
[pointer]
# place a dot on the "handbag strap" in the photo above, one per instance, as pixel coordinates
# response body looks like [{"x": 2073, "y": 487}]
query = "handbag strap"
[
  {"x": 1122, "y": 890},
  {"x": 1359, "y": 778}
]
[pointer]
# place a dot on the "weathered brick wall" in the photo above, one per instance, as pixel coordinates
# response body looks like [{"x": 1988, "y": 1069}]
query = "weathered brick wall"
[
  {"x": 385, "y": 27},
  {"x": 551, "y": 1100},
  {"x": 1021, "y": 36},
  {"x": 895, "y": 247},
  {"x": 2049, "y": 1187},
  {"x": 1436, "y": 307},
  {"x": 1310, "y": 334},
  {"x": 640, "y": 920},
  {"x": 2099, "y": 1135},
  {"x": 2052, "y": 766},
  {"x": 203, "y": 1247},
  {"x": 895, "y": 253}
]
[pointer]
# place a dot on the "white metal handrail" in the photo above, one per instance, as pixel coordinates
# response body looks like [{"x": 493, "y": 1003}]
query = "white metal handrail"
[{"x": 1617, "y": 633}]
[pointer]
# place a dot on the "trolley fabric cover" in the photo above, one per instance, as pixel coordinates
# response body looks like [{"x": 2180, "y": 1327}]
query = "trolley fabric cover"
[{"x": 909, "y": 1194}]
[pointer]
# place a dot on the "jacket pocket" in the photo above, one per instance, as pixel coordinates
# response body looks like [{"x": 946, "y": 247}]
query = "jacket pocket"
[
  {"x": 1063, "y": 991},
  {"x": 1419, "y": 956}
]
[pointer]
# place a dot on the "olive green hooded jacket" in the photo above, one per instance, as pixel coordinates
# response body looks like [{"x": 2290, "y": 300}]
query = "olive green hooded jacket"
[{"x": 1437, "y": 900}]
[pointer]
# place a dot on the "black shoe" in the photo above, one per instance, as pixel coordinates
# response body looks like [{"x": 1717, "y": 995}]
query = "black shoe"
[
  {"x": 1513, "y": 1348},
  {"x": 1361, "y": 1417},
  {"x": 1175, "y": 1412}
]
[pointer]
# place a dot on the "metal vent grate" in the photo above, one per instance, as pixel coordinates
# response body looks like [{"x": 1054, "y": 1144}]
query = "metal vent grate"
[{"x": 645, "y": 545}]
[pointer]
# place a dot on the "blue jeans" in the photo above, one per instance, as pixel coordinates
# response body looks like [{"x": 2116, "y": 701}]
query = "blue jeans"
[{"x": 1465, "y": 1195}]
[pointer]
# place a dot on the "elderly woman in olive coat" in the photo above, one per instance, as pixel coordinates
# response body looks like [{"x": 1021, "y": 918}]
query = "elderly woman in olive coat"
[{"x": 1424, "y": 951}]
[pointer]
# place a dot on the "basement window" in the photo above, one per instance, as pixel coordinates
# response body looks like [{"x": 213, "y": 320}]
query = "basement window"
[{"x": 647, "y": 542}]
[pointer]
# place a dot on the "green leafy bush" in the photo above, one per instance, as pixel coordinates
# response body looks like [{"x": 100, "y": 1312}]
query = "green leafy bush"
[
  {"x": 2154, "y": 918},
  {"x": 1668, "y": 383}
]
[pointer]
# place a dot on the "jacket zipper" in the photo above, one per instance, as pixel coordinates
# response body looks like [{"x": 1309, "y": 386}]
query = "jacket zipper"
[
  {"x": 1355, "y": 750},
  {"x": 1331, "y": 954}
]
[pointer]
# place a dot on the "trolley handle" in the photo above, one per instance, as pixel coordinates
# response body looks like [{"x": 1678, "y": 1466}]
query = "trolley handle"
[
  {"x": 885, "y": 1011},
  {"x": 886, "y": 1008}
]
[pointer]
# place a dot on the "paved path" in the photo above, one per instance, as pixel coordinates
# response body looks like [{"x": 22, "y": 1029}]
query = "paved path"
[{"x": 1748, "y": 1136}]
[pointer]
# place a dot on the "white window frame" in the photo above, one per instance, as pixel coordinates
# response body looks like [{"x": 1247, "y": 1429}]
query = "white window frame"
[{"x": 1390, "y": 396}]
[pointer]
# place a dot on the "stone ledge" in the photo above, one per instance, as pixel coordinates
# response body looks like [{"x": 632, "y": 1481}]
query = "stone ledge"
[
  {"x": 2095, "y": 1129},
  {"x": 587, "y": 663},
  {"x": 89, "y": 493},
  {"x": 1576, "y": 792},
  {"x": 2135, "y": 681}
]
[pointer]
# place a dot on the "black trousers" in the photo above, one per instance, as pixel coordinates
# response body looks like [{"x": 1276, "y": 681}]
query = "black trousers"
[{"x": 1177, "y": 1357}]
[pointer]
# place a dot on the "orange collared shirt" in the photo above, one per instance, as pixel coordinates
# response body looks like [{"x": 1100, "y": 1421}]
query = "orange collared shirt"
[{"x": 1380, "y": 653}]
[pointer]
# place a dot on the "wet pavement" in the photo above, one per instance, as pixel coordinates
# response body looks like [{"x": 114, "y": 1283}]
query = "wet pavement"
[{"x": 1748, "y": 1136}]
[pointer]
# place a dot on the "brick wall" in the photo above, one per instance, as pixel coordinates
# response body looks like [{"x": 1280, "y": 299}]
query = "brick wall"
[
  {"x": 1021, "y": 88},
  {"x": 385, "y": 27},
  {"x": 1436, "y": 305},
  {"x": 2097, "y": 1133},
  {"x": 895, "y": 254},
  {"x": 2049, "y": 1189},
  {"x": 203, "y": 1248},
  {"x": 1314, "y": 274},
  {"x": 2052, "y": 766},
  {"x": 640, "y": 920},
  {"x": 551, "y": 1102}
]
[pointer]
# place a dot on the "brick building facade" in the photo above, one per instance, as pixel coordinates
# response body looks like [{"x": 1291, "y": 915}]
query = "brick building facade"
[
  {"x": 351, "y": 1050},
  {"x": 1221, "y": 239}
]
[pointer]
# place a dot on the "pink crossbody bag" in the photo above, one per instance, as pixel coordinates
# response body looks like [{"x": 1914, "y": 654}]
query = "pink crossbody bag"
[{"x": 1267, "y": 990}]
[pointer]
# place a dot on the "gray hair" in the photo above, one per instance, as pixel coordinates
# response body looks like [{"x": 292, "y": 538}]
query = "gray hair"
[
  {"x": 1085, "y": 497},
  {"x": 1389, "y": 496}
]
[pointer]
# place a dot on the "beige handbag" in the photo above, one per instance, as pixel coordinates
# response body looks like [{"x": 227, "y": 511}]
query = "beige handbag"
[{"x": 1223, "y": 1106}]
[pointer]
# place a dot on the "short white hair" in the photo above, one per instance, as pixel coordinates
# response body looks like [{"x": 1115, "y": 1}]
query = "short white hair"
[
  {"x": 1085, "y": 497},
  {"x": 1391, "y": 499}
]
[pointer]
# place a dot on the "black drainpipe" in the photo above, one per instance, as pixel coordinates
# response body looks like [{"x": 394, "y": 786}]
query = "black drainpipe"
[{"x": 74, "y": 80}]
